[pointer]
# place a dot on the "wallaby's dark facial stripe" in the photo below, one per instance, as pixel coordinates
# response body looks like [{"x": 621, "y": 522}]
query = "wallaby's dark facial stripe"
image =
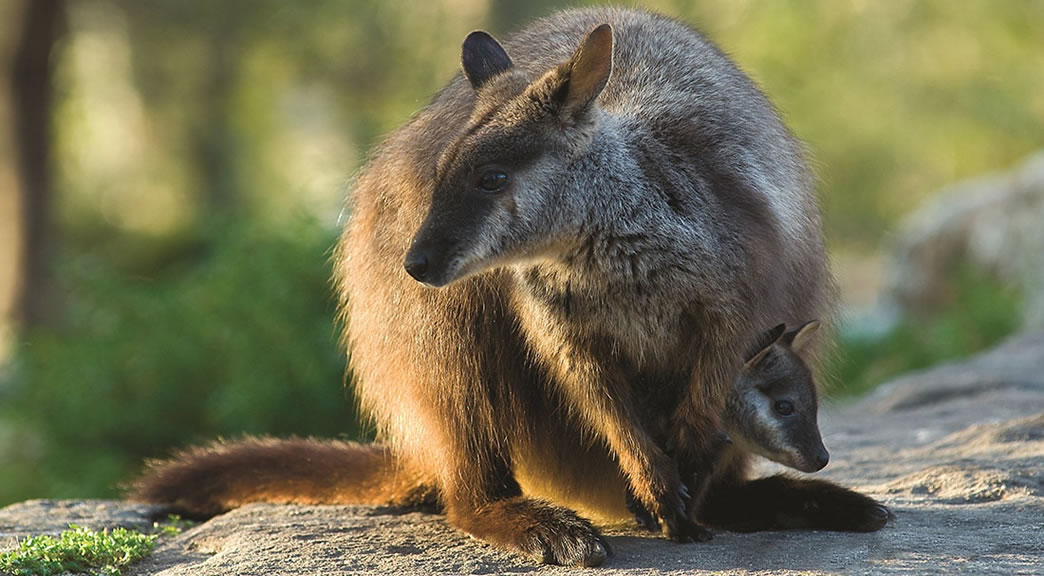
[
  {"x": 512, "y": 149},
  {"x": 489, "y": 102},
  {"x": 449, "y": 157}
]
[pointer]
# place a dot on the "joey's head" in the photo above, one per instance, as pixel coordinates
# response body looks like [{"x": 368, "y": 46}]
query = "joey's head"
[
  {"x": 500, "y": 192},
  {"x": 773, "y": 408}
]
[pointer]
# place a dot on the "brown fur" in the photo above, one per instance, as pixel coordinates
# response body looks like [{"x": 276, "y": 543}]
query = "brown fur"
[
  {"x": 204, "y": 481},
  {"x": 645, "y": 206},
  {"x": 448, "y": 373}
]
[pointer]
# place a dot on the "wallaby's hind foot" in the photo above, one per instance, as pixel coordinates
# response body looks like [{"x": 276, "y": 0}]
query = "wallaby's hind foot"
[
  {"x": 780, "y": 502},
  {"x": 546, "y": 533}
]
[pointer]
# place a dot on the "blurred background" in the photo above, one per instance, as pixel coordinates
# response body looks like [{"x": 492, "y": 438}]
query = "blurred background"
[{"x": 172, "y": 174}]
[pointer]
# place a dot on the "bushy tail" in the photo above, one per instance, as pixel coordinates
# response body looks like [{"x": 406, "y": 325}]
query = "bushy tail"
[{"x": 204, "y": 481}]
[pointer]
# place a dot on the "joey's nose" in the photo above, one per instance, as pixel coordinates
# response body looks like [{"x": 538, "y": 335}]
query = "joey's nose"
[
  {"x": 822, "y": 458},
  {"x": 416, "y": 264}
]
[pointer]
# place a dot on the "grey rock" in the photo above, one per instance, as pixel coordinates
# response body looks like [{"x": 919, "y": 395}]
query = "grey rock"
[
  {"x": 993, "y": 224},
  {"x": 957, "y": 452},
  {"x": 52, "y": 516}
]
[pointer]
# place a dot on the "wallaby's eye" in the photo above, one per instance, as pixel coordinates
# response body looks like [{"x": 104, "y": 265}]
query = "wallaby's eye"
[
  {"x": 493, "y": 180},
  {"x": 783, "y": 407}
]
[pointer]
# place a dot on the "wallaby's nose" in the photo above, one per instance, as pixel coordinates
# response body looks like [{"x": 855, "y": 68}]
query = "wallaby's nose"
[
  {"x": 822, "y": 458},
  {"x": 416, "y": 264}
]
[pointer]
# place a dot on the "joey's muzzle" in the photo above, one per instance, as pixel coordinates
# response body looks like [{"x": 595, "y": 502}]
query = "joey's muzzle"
[
  {"x": 813, "y": 460},
  {"x": 822, "y": 458}
]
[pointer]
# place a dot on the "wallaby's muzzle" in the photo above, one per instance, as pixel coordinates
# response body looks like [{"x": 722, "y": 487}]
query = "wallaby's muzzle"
[
  {"x": 424, "y": 265},
  {"x": 417, "y": 265},
  {"x": 813, "y": 460},
  {"x": 820, "y": 460},
  {"x": 431, "y": 264}
]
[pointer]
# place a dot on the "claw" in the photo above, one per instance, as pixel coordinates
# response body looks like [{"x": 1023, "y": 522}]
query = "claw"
[{"x": 605, "y": 545}]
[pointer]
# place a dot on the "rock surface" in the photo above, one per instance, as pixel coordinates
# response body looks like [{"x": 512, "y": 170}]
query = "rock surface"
[
  {"x": 957, "y": 452},
  {"x": 990, "y": 224}
]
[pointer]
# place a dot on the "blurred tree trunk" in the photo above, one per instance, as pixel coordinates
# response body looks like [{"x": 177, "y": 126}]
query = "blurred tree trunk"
[
  {"x": 31, "y": 99},
  {"x": 216, "y": 145}
]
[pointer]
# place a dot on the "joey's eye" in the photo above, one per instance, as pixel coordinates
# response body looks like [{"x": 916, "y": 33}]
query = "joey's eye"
[
  {"x": 493, "y": 180},
  {"x": 783, "y": 407}
]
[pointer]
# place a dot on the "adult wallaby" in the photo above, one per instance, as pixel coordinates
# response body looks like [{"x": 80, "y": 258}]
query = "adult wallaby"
[{"x": 584, "y": 206}]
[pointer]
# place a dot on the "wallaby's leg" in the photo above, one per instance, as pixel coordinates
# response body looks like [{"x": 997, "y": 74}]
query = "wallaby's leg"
[
  {"x": 483, "y": 500},
  {"x": 780, "y": 502},
  {"x": 607, "y": 408},
  {"x": 696, "y": 471},
  {"x": 697, "y": 448}
]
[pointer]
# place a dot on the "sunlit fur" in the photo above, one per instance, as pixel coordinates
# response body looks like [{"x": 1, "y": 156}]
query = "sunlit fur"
[
  {"x": 560, "y": 344},
  {"x": 557, "y": 355}
]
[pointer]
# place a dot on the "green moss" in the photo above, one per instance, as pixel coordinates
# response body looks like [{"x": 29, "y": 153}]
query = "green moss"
[{"x": 77, "y": 550}]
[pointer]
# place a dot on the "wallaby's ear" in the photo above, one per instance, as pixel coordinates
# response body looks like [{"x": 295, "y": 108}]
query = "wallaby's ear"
[
  {"x": 482, "y": 58},
  {"x": 764, "y": 343},
  {"x": 800, "y": 338},
  {"x": 588, "y": 70}
]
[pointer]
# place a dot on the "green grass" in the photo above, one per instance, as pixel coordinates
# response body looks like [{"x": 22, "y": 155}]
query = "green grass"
[
  {"x": 78, "y": 550},
  {"x": 174, "y": 525},
  {"x": 83, "y": 551}
]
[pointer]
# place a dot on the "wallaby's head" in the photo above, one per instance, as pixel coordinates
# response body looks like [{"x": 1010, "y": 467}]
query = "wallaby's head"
[
  {"x": 773, "y": 407},
  {"x": 501, "y": 188}
]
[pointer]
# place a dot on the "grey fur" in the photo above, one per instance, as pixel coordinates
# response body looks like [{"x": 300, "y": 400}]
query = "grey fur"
[
  {"x": 557, "y": 354},
  {"x": 778, "y": 374}
]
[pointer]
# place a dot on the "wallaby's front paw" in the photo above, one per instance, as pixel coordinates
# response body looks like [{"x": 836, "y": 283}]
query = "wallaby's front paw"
[
  {"x": 642, "y": 516},
  {"x": 682, "y": 530},
  {"x": 679, "y": 528}
]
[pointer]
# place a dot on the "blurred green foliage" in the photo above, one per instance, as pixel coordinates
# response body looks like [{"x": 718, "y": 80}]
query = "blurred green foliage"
[
  {"x": 979, "y": 313},
  {"x": 236, "y": 339},
  {"x": 201, "y": 150},
  {"x": 895, "y": 99}
]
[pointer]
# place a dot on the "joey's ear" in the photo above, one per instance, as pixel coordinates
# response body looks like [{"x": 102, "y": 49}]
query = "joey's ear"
[
  {"x": 764, "y": 343},
  {"x": 588, "y": 70},
  {"x": 800, "y": 338},
  {"x": 482, "y": 58}
]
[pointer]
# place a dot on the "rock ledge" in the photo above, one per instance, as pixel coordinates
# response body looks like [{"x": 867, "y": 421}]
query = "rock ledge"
[{"x": 956, "y": 451}]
